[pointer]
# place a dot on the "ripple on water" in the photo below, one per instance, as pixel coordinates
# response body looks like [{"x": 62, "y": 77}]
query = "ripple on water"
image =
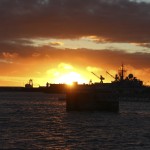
[{"x": 38, "y": 122}]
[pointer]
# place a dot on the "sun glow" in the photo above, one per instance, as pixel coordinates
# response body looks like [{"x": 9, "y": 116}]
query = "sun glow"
[{"x": 71, "y": 77}]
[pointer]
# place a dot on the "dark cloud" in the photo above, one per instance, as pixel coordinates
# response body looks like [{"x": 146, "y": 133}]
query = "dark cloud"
[{"x": 113, "y": 20}]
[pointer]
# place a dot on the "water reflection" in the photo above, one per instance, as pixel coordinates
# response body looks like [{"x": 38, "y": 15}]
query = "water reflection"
[{"x": 38, "y": 122}]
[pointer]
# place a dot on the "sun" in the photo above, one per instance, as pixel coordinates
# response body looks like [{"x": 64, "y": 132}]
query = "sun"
[{"x": 71, "y": 77}]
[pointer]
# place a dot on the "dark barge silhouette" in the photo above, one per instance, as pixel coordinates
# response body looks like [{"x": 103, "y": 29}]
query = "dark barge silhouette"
[{"x": 87, "y": 98}]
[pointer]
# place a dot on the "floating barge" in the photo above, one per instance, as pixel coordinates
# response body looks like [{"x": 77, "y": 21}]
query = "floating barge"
[{"x": 92, "y": 100}]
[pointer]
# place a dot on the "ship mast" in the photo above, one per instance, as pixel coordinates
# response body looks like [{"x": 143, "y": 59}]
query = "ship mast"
[{"x": 121, "y": 72}]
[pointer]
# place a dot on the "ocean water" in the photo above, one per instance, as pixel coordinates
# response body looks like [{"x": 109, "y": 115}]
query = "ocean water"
[{"x": 40, "y": 121}]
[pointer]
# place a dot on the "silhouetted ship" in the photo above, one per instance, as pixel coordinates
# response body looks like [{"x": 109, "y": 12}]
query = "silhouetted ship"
[{"x": 125, "y": 86}]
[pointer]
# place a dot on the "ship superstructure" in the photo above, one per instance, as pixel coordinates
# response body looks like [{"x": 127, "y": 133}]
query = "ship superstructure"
[{"x": 128, "y": 81}]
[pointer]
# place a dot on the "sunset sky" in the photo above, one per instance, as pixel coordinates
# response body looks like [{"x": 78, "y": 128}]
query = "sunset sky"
[{"x": 59, "y": 41}]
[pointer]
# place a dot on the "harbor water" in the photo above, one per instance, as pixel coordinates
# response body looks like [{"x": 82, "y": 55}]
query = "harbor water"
[{"x": 40, "y": 121}]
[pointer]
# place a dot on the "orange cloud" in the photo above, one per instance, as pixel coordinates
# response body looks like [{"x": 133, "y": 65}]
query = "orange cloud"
[
  {"x": 8, "y": 55},
  {"x": 56, "y": 44}
]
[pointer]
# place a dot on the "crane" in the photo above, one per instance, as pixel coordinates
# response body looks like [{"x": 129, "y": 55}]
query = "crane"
[
  {"x": 116, "y": 76},
  {"x": 100, "y": 77},
  {"x": 110, "y": 74}
]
